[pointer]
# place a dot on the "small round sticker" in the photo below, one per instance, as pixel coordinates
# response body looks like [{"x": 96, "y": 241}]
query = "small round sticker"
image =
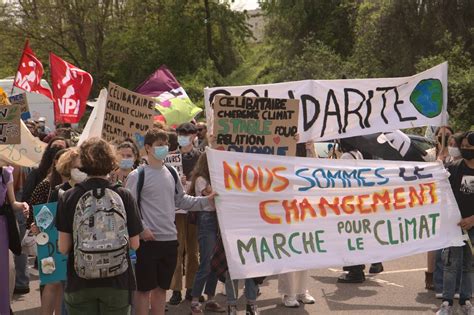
[{"x": 42, "y": 238}]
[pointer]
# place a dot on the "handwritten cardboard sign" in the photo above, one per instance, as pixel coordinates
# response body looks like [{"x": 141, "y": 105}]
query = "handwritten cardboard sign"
[
  {"x": 10, "y": 124},
  {"x": 127, "y": 115},
  {"x": 175, "y": 160},
  {"x": 21, "y": 100},
  {"x": 255, "y": 124}
]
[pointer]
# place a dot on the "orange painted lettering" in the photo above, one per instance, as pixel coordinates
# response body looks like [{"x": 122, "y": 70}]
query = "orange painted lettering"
[
  {"x": 415, "y": 198},
  {"x": 323, "y": 203},
  {"x": 291, "y": 210},
  {"x": 234, "y": 175},
  {"x": 382, "y": 198},
  {"x": 265, "y": 186},
  {"x": 284, "y": 181},
  {"x": 266, "y": 216},
  {"x": 347, "y": 204},
  {"x": 400, "y": 201},
  {"x": 250, "y": 185},
  {"x": 305, "y": 206},
  {"x": 361, "y": 203}
]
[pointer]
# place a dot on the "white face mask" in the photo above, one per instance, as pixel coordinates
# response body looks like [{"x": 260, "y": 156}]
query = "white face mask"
[
  {"x": 454, "y": 152},
  {"x": 78, "y": 176}
]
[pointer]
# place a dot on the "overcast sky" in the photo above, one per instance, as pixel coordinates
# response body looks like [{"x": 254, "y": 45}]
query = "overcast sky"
[{"x": 240, "y": 5}]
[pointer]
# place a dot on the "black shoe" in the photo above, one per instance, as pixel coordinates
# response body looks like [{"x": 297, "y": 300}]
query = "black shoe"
[
  {"x": 176, "y": 298},
  {"x": 376, "y": 268},
  {"x": 251, "y": 309},
  {"x": 352, "y": 277},
  {"x": 21, "y": 291},
  {"x": 189, "y": 295}
]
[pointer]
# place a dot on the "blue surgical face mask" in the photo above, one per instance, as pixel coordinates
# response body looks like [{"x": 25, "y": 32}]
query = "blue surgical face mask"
[
  {"x": 160, "y": 152},
  {"x": 126, "y": 164},
  {"x": 184, "y": 140}
]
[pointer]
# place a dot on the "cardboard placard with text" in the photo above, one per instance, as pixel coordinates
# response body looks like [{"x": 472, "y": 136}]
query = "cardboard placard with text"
[
  {"x": 21, "y": 100},
  {"x": 175, "y": 160},
  {"x": 10, "y": 124},
  {"x": 127, "y": 115},
  {"x": 255, "y": 124}
]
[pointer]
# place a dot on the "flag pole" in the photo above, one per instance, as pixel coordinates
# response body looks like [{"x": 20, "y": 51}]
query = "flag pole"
[{"x": 16, "y": 74}]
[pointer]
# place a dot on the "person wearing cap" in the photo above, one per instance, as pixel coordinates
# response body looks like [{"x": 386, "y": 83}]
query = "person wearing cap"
[
  {"x": 187, "y": 231},
  {"x": 462, "y": 183},
  {"x": 42, "y": 128}
]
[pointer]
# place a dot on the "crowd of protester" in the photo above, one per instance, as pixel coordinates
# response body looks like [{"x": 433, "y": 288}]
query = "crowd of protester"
[{"x": 170, "y": 225}]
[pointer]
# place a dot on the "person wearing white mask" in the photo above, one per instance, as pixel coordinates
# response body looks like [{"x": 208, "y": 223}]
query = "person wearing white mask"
[
  {"x": 454, "y": 142},
  {"x": 158, "y": 192}
]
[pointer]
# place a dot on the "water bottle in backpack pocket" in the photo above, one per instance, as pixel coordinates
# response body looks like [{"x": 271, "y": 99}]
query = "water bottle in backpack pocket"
[{"x": 100, "y": 234}]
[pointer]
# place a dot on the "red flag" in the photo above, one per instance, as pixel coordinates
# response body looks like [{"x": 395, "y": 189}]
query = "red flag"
[
  {"x": 71, "y": 87},
  {"x": 29, "y": 73}
]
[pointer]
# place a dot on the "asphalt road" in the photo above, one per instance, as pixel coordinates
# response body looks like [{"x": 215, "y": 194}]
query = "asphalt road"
[{"x": 398, "y": 290}]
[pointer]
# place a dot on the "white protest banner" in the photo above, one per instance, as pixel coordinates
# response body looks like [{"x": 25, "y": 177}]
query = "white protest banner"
[
  {"x": 175, "y": 160},
  {"x": 331, "y": 109},
  {"x": 285, "y": 214},
  {"x": 28, "y": 153}
]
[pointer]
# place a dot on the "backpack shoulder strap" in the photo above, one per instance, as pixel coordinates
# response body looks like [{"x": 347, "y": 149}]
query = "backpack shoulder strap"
[
  {"x": 140, "y": 183},
  {"x": 175, "y": 176}
]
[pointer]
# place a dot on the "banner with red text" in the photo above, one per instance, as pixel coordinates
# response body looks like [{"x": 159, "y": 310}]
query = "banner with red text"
[
  {"x": 332, "y": 109},
  {"x": 281, "y": 215}
]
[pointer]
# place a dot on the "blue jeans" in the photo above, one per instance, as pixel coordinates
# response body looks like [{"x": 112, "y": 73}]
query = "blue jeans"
[
  {"x": 454, "y": 258},
  {"x": 22, "y": 280},
  {"x": 232, "y": 290},
  {"x": 207, "y": 237},
  {"x": 438, "y": 273}
]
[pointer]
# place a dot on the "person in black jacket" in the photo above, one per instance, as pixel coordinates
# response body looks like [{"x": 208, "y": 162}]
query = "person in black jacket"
[{"x": 462, "y": 183}]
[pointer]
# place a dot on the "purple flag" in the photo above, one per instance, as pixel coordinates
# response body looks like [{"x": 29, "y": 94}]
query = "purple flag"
[
  {"x": 171, "y": 99},
  {"x": 160, "y": 81}
]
